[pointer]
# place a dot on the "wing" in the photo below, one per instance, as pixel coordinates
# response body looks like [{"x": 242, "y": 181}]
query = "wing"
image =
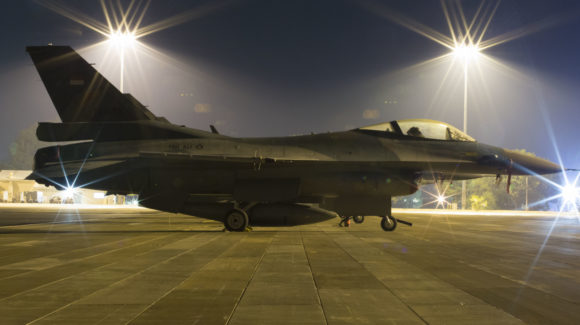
[{"x": 428, "y": 171}]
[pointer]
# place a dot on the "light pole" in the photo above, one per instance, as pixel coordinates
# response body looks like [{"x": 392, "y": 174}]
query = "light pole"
[
  {"x": 121, "y": 41},
  {"x": 463, "y": 183},
  {"x": 466, "y": 53}
]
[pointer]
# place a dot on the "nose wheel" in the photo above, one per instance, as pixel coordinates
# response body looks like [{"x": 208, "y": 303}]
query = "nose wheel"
[{"x": 388, "y": 223}]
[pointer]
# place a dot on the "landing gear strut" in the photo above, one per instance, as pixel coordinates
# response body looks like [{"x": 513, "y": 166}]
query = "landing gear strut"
[{"x": 388, "y": 223}]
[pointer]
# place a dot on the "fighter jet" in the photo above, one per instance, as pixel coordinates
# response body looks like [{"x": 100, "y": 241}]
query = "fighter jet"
[{"x": 123, "y": 148}]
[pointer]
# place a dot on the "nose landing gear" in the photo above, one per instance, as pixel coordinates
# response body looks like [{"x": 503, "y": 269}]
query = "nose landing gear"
[{"x": 388, "y": 223}]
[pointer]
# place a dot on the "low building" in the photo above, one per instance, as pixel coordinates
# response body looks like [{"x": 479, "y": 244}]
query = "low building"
[{"x": 15, "y": 188}]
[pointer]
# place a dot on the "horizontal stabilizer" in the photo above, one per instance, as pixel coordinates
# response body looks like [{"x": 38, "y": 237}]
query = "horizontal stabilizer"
[{"x": 115, "y": 131}]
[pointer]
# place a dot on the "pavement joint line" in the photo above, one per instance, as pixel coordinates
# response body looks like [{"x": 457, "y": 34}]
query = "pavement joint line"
[
  {"x": 60, "y": 254},
  {"x": 78, "y": 219},
  {"x": 126, "y": 278},
  {"x": 66, "y": 222},
  {"x": 495, "y": 222},
  {"x": 558, "y": 269},
  {"x": 249, "y": 281},
  {"x": 462, "y": 238},
  {"x": 520, "y": 283},
  {"x": 70, "y": 276},
  {"x": 384, "y": 285},
  {"x": 483, "y": 299},
  {"x": 12, "y": 246},
  {"x": 314, "y": 280},
  {"x": 109, "y": 314},
  {"x": 180, "y": 283}
]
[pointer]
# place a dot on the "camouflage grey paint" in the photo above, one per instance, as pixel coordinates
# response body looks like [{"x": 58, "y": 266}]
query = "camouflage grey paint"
[{"x": 179, "y": 169}]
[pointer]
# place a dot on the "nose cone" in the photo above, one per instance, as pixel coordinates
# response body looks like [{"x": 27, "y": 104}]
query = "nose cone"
[{"x": 529, "y": 164}]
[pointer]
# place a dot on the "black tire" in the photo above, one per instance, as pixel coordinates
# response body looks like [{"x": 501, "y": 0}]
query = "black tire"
[
  {"x": 236, "y": 220},
  {"x": 388, "y": 223},
  {"x": 358, "y": 219}
]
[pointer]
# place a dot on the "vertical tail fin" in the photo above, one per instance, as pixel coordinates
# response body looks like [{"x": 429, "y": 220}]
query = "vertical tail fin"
[{"x": 80, "y": 93}]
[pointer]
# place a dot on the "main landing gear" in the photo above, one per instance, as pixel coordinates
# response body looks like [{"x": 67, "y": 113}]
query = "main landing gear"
[{"x": 237, "y": 219}]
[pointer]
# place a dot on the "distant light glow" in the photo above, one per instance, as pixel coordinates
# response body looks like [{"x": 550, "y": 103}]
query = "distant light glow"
[
  {"x": 99, "y": 195},
  {"x": 442, "y": 202},
  {"x": 69, "y": 192},
  {"x": 440, "y": 199}
]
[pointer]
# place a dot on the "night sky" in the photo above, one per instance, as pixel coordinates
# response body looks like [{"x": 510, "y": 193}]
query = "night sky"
[{"x": 276, "y": 68}]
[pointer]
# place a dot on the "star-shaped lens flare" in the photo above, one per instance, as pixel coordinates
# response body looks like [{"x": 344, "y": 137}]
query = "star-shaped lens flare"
[
  {"x": 440, "y": 199},
  {"x": 464, "y": 33},
  {"x": 123, "y": 27},
  {"x": 568, "y": 194},
  {"x": 467, "y": 41}
]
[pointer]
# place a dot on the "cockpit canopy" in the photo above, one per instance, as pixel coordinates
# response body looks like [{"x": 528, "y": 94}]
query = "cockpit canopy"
[{"x": 422, "y": 128}]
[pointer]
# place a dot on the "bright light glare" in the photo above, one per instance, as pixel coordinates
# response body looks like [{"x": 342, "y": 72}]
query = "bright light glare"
[
  {"x": 440, "y": 199},
  {"x": 570, "y": 196},
  {"x": 69, "y": 192},
  {"x": 569, "y": 193},
  {"x": 466, "y": 52},
  {"x": 122, "y": 39}
]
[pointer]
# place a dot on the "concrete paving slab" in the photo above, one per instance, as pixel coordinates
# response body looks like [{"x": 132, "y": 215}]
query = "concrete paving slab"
[
  {"x": 149, "y": 268},
  {"x": 283, "y": 315},
  {"x": 93, "y": 314},
  {"x": 290, "y": 294},
  {"x": 364, "y": 306}
]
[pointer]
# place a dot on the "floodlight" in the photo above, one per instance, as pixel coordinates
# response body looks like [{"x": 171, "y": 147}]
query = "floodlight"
[
  {"x": 122, "y": 39},
  {"x": 466, "y": 52}
]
